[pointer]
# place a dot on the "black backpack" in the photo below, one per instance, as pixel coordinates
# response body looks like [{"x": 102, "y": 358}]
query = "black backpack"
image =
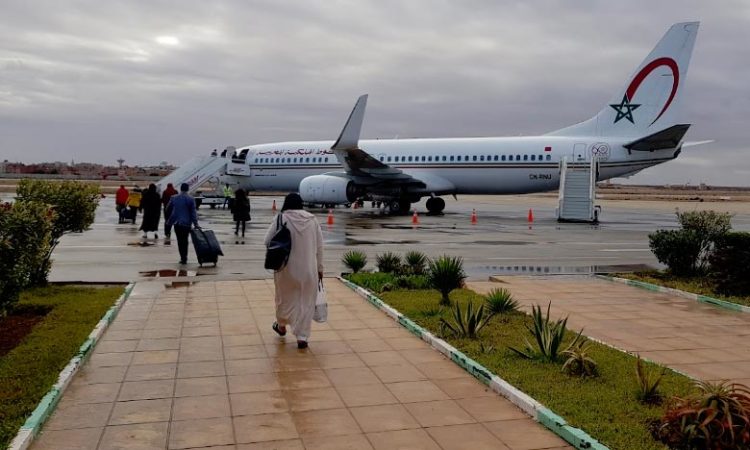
[{"x": 277, "y": 252}]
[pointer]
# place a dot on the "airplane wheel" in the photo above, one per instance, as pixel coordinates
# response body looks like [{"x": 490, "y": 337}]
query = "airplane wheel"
[
  {"x": 435, "y": 205},
  {"x": 399, "y": 207}
]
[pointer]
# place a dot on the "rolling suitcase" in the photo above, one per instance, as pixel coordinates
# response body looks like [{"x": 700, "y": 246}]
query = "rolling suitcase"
[{"x": 207, "y": 248}]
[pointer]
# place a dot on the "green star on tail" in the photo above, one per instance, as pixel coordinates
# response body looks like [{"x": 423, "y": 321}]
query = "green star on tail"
[{"x": 625, "y": 110}]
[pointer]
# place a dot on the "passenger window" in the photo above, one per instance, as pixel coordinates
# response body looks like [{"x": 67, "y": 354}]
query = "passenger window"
[
  {"x": 533, "y": 157},
  {"x": 495, "y": 158},
  {"x": 502, "y": 158},
  {"x": 458, "y": 158},
  {"x": 326, "y": 159},
  {"x": 396, "y": 158},
  {"x": 549, "y": 157},
  {"x": 474, "y": 158},
  {"x": 451, "y": 158},
  {"x": 429, "y": 158},
  {"x": 424, "y": 158},
  {"x": 525, "y": 157},
  {"x": 307, "y": 160},
  {"x": 445, "y": 158},
  {"x": 389, "y": 159},
  {"x": 518, "y": 157},
  {"x": 481, "y": 158}
]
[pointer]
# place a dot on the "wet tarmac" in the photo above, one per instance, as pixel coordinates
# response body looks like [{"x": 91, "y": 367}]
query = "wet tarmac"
[{"x": 501, "y": 242}]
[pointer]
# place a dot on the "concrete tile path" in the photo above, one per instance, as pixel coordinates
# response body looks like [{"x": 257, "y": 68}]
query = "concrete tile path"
[
  {"x": 701, "y": 340},
  {"x": 199, "y": 367}
]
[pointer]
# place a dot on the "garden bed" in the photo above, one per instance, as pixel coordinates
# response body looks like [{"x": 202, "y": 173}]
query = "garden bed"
[
  {"x": 28, "y": 370},
  {"x": 606, "y": 406},
  {"x": 699, "y": 285}
]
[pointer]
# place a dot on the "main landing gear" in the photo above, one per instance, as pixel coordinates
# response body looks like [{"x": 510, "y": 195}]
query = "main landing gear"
[
  {"x": 435, "y": 206},
  {"x": 399, "y": 207}
]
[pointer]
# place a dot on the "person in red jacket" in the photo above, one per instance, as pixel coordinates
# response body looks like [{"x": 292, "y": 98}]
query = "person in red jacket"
[
  {"x": 165, "y": 197},
  {"x": 121, "y": 201}
]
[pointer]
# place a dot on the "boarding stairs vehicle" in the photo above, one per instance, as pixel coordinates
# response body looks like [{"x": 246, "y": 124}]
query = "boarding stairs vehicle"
[
  {"x": 195, "y": 172},
  {"x": 577, "y": 193}
]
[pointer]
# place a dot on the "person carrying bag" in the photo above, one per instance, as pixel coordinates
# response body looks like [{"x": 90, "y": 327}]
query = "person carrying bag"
[{"x": 294, "y": 250}]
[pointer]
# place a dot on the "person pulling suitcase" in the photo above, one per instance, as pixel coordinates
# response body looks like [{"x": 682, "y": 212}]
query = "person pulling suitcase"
[{"x": 183, "y": 216}]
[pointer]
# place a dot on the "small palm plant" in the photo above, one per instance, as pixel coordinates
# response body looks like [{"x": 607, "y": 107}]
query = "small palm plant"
[
  {"x": 466, "y": 323},
  {"x": 445, "y": 274},
  {"x": 500, "y": 301},
  {"x": 388, "y": 262},
  {"x": 648, "y": 382},
  {"x": 579, "y": 363},
  {"x": 354, "y": 260},
  {"x": 416, "y": 261},
  {"x": 548, "y": 337}
]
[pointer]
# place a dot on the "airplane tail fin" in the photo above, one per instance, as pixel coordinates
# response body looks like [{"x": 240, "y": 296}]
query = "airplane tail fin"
[{"x": 650, "y": 102}]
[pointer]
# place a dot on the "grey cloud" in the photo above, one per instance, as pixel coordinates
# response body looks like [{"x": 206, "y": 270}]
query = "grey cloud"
[{"x": 87, "y": 80}]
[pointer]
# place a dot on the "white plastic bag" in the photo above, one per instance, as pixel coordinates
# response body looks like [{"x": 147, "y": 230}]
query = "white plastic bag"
[{"x": 321, "y": 306}]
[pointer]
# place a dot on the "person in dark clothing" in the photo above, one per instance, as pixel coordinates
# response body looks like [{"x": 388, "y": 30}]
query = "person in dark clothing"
[
  {"x": 183, "y": 215},
  {"x": 241, "y": 212},
  {"x": 165, "y": 197},
  {"x": 151, "y": 207}
]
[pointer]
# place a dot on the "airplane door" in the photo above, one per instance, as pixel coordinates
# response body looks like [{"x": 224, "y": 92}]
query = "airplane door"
[{"x": 579, "y": 153}]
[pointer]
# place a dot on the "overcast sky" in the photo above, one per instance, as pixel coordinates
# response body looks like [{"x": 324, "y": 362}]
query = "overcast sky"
[{"x": 166, "y": 80}]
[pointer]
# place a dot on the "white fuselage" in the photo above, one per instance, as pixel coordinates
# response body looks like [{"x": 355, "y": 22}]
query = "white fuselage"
[{"x": 514, "y": 165}]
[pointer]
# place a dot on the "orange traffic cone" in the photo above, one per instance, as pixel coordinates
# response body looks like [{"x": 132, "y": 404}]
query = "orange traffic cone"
[
  {"x": 415, "y": 218},
  {"x": 531, "y": 216},
  {"x": 273, "y": 207},
  {"x": 330, "y": 217},
  {"x": 473, "y": 216}
]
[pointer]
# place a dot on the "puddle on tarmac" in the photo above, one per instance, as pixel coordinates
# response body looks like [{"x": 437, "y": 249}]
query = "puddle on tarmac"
[
  {"x": 559, "y": 270},
  {"x": 179, "y": 284},
  {"x": 168, "y": 273},
  {"x": 502, "y": 243},
  {"x": 141, "y": 244}
]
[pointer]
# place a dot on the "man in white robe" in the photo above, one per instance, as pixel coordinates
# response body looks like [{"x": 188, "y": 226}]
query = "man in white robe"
[{"x": 297, "y": 283}]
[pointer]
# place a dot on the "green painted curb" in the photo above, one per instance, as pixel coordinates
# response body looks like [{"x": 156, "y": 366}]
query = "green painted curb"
[
  {"x": 684, "y": 294},
  {"x": 42, "y": 411},
  {"x": 47, "y": 404},
  {"x": 574, "y": 436}
]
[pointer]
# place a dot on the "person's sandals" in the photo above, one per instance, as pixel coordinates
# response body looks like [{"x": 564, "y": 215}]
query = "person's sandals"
[
  {"x": 277, "y": 329},
  {"x": 301, "y": 344}
]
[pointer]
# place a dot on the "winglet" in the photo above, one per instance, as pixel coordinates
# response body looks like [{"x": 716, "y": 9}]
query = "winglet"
[{"x": 349, "y": 137}]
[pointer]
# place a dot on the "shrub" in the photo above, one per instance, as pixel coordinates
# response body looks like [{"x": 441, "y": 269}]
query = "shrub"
[
  {"x": 412, "y": 282},
  {"x": 388, "y": 262},
  {"x": 707, "y": 226},
  {"x": 730, "y": 261},
  {"x": 354, "y": 260},
  {"x": 500, "y": 301},
  {"x": 548, "y": 337},
  {"x": 679, "y": 250},
  {"x": 416, "y": 262},
  {"x": 25, "y": 231},
  {"x": 74, "y": 204},
  {"x": 466, "y": 323},
  {"x": 718, "y": 417},
  {"x": 648, "y": 382},
  {"x": 579, "y": 363},
  {"x": 375, "y": 282},
  {"x": 445, "y": 274}
]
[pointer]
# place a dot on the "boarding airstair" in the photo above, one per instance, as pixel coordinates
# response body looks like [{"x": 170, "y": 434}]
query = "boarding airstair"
[
  {"x": 195, "y": 172},
  {"x": 577, "y": 193}
]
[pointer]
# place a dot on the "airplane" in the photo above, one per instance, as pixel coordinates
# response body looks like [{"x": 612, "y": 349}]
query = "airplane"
[{"x": 638, "y": 128}]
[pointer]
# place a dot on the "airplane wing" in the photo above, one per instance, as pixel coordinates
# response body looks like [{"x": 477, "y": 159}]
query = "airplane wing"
[{"x": 358, "y": 163}]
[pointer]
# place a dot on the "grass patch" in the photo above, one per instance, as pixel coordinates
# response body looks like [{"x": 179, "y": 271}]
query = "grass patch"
[
  {"x": 29, "y": 371},
  {"x": 606, "y": 406},
  {"x": 696, "y": 285}
]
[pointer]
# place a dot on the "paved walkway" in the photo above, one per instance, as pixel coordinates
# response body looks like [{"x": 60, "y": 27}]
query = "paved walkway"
[
  {"x": 704, "y": 341},
  {"x": 199, "y": 367}
]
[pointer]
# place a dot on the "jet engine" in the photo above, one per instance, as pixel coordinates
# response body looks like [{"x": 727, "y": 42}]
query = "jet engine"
[{"x": 328, "y": 189}]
